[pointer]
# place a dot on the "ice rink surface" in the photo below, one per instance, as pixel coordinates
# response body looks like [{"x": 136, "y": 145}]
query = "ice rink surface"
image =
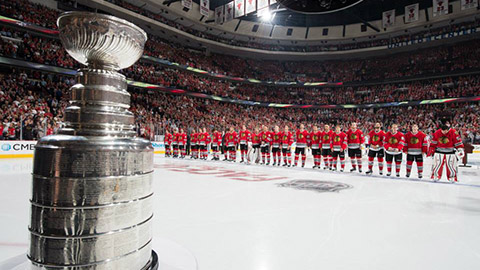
[{"x": 238, "y": 217}]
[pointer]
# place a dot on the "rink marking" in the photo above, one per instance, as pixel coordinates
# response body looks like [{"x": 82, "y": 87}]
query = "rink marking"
[
  {"x": 251, "y": 177},
  {"x": 7, "y": 244},
  {"x": 220, "y": 172}
]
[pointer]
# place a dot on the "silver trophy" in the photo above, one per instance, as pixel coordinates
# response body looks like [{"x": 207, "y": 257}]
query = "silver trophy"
[{"x": 91, "y": 205}]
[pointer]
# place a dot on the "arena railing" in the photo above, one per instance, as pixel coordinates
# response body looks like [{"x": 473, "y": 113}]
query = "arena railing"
[
  {"x": 163, "y": 62},
  {"x": 178, "y": 91}
]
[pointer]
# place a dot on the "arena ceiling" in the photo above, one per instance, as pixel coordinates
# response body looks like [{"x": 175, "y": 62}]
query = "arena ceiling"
[{"x": 364, "y": 11}]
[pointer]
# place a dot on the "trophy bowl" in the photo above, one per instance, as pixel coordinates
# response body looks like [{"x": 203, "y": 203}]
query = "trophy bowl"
[{"x": 101, "y": 41}]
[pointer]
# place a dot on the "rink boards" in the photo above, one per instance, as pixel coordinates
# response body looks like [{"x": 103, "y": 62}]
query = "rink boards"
[{"x": 24, "y": 149}]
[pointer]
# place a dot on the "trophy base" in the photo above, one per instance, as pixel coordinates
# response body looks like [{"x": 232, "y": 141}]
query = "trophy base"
[{"x": 22, "y": 263}]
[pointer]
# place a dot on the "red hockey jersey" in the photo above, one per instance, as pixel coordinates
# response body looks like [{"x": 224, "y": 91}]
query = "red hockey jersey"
[
  {"x": 445, "y": 143},
  {"x": 301, "y": 138},
  {"x": 316, "y": 139},
  {"x": 355, "y": 139},
  {"x": 175, "y": 138},
  {"x": 327, "y": 139},
  {"x": 375, "y": 139},
  {"x": 245, "y": 136},
  {"x": 266, "y": 138},
  {"x": 394, "y": 141},
  {"x": 339, "y": 141},
  {"x": 287, "y": 139},
  {"x": 276, "y": 139},
  {"x": 194, "y": 139},
  {"x": 182, "y": 139},
  {"x": 168, "y": 139},
  {"x": 256, "y": 138},
  {"x": 217, "y": 139},
  {"x": 231, "y": 138},
  {"x": 203, "y": 138},
  {"x": 416, "y": 144}
]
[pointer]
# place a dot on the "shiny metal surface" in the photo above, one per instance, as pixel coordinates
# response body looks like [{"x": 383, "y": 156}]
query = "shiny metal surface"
[
  {"x": 91, "y": 204},
  {"x": 101, "y": 41}
]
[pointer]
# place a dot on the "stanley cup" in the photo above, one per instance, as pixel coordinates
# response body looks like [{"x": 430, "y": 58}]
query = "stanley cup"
[{"x": 91, "y": 205}]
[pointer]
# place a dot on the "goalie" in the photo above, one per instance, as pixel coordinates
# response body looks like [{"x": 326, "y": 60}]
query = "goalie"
[{"x": 446, "y": 144}]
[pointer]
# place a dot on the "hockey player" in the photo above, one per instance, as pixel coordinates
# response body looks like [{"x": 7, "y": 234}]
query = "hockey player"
[
  {"x": 416, "y": 145},
  {"x": 168, "y": 142},
  {"x": 301, "y": 137},
  {"x": 276, "y": 141},
  {"x": 203, "y": 140},
  {"x": 445, "y": 143},
  {"x": 376, "y": 150},
  {"x": 245, "y": 138},
  {"x": 394, "y": 142},
  {"x": 355, "y": 139},
  {"x": 338, "y": 146},
  {"x": 266, "y": 139},
  {"x": 194, "y": 146},
  {"x": 216, "y": 143},
  {"x": 175, "y": 143},
  {"x": 287, "y": 141},
  {"x": 327, "y": 135},
  {"x": 315, "y": 141},
  {"x": 182, "y": 143},
  {"x": 231, "y": 139},
  {"x": 256, "y": 141}
]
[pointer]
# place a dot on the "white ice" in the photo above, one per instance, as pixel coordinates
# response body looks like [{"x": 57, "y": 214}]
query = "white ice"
[{"x": 236, "y": 217}]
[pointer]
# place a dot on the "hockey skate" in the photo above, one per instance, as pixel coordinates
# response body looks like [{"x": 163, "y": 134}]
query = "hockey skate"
[
  {"x": 452, "y": 180},
  {"x": 353, "y": 169},
  {"x": 369, "y": 172}
]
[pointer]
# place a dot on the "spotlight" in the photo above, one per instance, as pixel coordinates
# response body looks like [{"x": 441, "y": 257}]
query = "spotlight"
[{"x": 266, "y": 15}]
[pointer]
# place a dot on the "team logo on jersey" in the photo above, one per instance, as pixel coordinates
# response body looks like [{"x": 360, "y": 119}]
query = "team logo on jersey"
[
  {"x": 336, "y": 139},
  {"x": 276, "y": 137},
  {"x": 414, "y": 140},
  {"x": 393, "y": 140},
  {"x": 353, "y": 136},
  {"x": 444, "y": 140},
  {"x": 285, "y": 138},
  {"x": 325, "y": 137},
  {"x": 300, "y": 136},
  {"x": 375, "y": 138},
  {"x": 264, "y": 136},
  {"x": 231, "y": 137},
  {"x": 315, "y": 137},
  {"x": 256, "y": 138},
  {"x": 314, "y": 185}
]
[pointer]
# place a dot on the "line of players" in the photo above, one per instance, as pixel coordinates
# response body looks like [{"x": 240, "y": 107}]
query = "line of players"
[{"x": 330, "y": 146}]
